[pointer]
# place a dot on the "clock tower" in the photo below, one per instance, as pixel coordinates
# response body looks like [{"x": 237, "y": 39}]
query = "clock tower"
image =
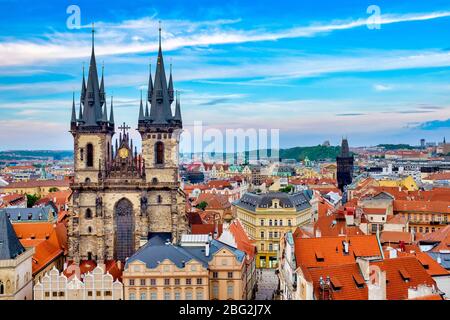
[{"x": 121, "y": 195}]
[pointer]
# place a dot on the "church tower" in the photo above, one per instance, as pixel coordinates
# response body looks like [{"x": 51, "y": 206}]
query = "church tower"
[
  {"x": 344, "y": 166},
  {"x": 160, "y": 130},
  {"x": 120, "y": 195}
]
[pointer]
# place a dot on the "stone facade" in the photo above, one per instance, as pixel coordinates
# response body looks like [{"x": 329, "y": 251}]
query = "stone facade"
[
  {"x": 120, "y": 196},
  {"x": 16, "y": 281}
]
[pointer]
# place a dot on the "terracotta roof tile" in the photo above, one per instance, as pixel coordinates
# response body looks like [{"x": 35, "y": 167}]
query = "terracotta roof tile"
[
  {"x": 347, "y": 282},
  {"x": 332, "y": 250},
  {"x": 403, "y": 273}
]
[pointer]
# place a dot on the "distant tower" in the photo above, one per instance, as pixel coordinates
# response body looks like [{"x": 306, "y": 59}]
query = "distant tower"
[
  {"x": 344, "y": 166},
  {"x": 422, "y": 143}
]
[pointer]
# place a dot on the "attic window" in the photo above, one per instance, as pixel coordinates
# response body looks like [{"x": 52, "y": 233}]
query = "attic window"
[
  {"x": 337, "y": 285},
  {"x": 358, "y": 280},
  {"x": 425, "y": 265},
  {"x": 405, "y": 275},
  {"x": 319, "y": 256}
]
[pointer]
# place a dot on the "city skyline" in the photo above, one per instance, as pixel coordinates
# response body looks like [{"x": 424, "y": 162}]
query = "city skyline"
[{"x": 316, "y": 74}]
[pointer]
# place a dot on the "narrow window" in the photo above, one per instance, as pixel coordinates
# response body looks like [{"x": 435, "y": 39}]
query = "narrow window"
[
  {"x": 159, "y": 152},
  {"x": 88, "y": 214},
  {"x": 90, "y": 155}
]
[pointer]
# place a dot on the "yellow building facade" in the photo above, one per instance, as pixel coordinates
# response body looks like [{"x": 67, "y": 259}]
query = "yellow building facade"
[{"x": 266, "y": 217}]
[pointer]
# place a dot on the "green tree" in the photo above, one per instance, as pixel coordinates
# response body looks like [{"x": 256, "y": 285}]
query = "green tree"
[
  {"x": 202, "y": 205},
  {"x": 32, "y": 199},
  {"x": 287, "y": 189}
]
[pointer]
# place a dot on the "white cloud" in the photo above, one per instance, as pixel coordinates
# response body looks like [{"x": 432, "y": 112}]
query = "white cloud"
[
  {"x": 114, "y": 39},
  {"x": 382, "y": 87}
]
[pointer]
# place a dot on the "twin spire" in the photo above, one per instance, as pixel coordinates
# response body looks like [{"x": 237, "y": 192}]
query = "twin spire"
[
  {"x": 160, "y": 95},
  {"x": 93, "y": 110}
]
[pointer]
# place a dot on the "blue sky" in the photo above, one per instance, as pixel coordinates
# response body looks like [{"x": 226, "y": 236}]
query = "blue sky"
[{"x": 312, "y": 69}]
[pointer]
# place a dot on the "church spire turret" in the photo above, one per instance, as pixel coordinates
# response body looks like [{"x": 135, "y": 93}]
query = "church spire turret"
[
  {"x": 177, "y": 116},
  {"x": 92, "y": 112},
  {"x": 146, "y": 111},
  {"x": 141, "y": 110},
  {"x": 160, "y": 112},
  {"x": 83, "y": 88},
  {"x": 73, "y": 119},
  {"x": 111, "y": 113},
  {"x": 150, "y": 86},
  {"x": 105, "y": 114},
  {"x": 170, "y": 89},
  {"x": 102, "y": 86}
]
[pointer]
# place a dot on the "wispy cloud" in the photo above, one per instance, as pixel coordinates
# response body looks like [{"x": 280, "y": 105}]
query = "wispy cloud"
[
  {"x": 135, "y": 36},
  {"x": 382, "y": 87}
]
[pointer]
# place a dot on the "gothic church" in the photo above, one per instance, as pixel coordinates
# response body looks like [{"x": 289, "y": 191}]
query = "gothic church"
[{"x": 120, "y": 195}]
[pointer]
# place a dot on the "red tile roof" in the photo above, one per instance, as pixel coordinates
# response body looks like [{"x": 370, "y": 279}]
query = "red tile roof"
[
  {"x": 332, "y": 226},
  {"x": 38, "y": 183},
  {"x": 219, "y": 184},
  {"x": 430, "y": 265},
  {"x": 306, "y": 250},
  {"x": 206, "y": 229},
  {"x": 85, "y": 266},
  {"x": 347, "y": 282},
  {"x": 421, "y": 206},
  {"x": 214, "y": 201},
  {"x": 49, "y": 241},
  {"x": 395, "y": 237},
  {"x": 243, "y": 242},
  {"x": 403, "y": 273},
  {"x": 378, "y": 211}
]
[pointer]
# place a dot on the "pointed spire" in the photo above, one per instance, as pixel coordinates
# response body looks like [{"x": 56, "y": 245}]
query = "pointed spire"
[
  {"x": 159, "y": 35},
  {"x": 177, "y": 116},
  {"x": 111, "y": 113},
  {"x": 170, "y": 89},
  {"x": 105, "y": 114},
  {"x": 92, "y": 113},
  {"x": 80, "y": 114},
  {"x": 102, "y": 85},
  {"x": 73, "y": 120},
  {"x": 141, "y": 110},
  {"x": 150, "y": 85},
  {"x": 160, "y": 112},
  {"x": 146, "y": 111},
  {"x": 83, "y": 88}
]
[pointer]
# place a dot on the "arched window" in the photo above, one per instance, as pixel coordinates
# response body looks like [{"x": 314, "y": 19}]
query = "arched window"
[
  {"x": 88, "y": 214},
  {"x": 154, "y": 181},
  {"x": 2, "y": 288},
  {"x": 87, "y": 180},
  {"x": 89, "y": 229},
  {"x": 159, "y": 153},
  {"x": 159, "y": 199},
  {"x": 90, "y": 155}
]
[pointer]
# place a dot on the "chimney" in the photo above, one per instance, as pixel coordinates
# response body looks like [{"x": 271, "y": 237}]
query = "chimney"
[
  {"x": 207, "y": 249},
  {"x": 318, "y": 233},
  {"x": 345, "y": 247}
]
